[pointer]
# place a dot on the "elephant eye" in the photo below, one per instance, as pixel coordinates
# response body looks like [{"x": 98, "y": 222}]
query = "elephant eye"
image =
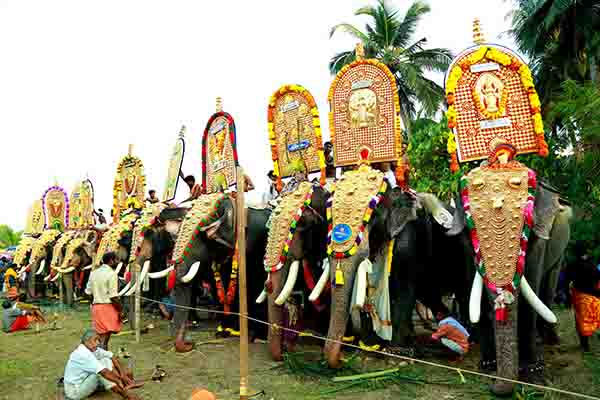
[
  {"x": 515, "y": 182},
  {"x": 478, "y": 183}
]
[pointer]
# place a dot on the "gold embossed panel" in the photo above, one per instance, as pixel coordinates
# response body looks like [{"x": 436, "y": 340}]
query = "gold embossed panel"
[
  {"x": 86, "y": 197},
  {"x": 38, "y": 250},
  {"x": 497, "y": 198},
  {"x": 353, "y": 192},
  {"x": 220, "y": 162},
  {"x": 364, "y": 113},
  {"x": 296, "y": 138},
  {"x": 281, "y": 219},
  {"x": 35, "y": 219},
  {"x": 23, "y": 249},
  {"x": 75, "y": 207},
  {"x": 201, "y": 208},
  {"x": 59, "y": 247}
]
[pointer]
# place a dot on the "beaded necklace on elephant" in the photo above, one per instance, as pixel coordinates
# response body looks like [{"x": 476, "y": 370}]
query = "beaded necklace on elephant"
[{"x": 283, "y": 225}]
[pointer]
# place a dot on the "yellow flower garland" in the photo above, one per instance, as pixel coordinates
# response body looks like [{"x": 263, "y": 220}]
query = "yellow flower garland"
[{"x": 118, "y": 185}]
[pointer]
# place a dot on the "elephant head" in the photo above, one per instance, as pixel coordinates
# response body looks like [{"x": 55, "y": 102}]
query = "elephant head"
[
  {"x": 392, "y": 218},
  {"x": 300, "y": 214}
]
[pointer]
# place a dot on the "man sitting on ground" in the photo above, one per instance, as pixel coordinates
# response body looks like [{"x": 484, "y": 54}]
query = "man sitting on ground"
[
  {"x": 16, "y": 319},
  {"x": 91, "y": 368}
]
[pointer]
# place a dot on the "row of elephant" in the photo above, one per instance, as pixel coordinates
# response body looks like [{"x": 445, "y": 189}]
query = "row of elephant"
[{"x": 432, "y": 257}]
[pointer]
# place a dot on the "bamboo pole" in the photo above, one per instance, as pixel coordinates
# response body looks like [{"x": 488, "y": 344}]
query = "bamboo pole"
[
  {"x": 138, "y": 294},
  {"x": 241, "y": 245}
]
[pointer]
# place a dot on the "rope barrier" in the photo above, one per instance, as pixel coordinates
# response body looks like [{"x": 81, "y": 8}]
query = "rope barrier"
[{"x": 459, "y": 371}]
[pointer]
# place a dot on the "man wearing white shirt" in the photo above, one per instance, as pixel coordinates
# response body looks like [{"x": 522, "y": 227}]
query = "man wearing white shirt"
[{"x": 90, "y": 369}]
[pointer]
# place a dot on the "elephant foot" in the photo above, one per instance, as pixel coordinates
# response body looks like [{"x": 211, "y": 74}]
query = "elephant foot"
[
  {"x": 502, "y": 389},
  {"x": 551, "y": 337},
  {"x": 488, "y": 366},
  {"x": 533, "y": 374}
]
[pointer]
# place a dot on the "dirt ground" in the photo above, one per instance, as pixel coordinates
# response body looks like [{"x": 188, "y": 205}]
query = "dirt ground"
[{"x": 31, "y": 363}]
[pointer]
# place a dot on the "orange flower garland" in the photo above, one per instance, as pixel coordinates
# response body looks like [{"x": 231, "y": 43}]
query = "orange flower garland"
[
  {"x": 316, "y": 124},
  {"x": 511, "y": 62}
]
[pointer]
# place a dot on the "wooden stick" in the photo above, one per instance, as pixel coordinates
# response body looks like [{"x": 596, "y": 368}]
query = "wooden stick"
[
  {"x": 241, "y": 245},
  {"x": 138, "y": 294}
]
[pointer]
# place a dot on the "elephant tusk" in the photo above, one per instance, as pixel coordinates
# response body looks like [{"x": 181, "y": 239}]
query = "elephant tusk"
[
  {"x": 536, "y": 303},
  {"x": 321, "y": 283},
  {"x": 55, "y": 277},
  {"x": 145, "y": 269},
  {"x": 47, "y": 277},
  {"x": 475, "y": 298},
  {"x": 289, "y": 284},
  {"x": 67, "y": 270},
  {"x": 160, "y": 274},
  {"x": 262, "y": 297},
  {"x": 41, "y": 267},
  {"x": 125, "y": 289},
  {"x": 88, "y": 267},
  {"x": 361, "y": 282},
  {"x": 132, "y": 290},
  {"x": 119, "y": 266},
  {"x": 191, "y": 272}
]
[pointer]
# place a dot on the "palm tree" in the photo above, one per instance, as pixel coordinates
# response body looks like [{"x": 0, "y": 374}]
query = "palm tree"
[
  {"x": 389, "y": 38},
  {"x": 8, "y": 237}
]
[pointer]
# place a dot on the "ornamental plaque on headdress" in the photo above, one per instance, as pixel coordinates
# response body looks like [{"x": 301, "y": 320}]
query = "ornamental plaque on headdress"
[
  {"x": 175, "y": 162},
  {"x": 82, "y": 205},
  {"x": 129, "y": 186},
  {"x": 295, "y": 132},
  {"x": 35, "y": 219},
  {"x": 55, "y": 203},
  {"x": 491, "y": 96},
  {"x": 364, "y": 117},
  {"x": 219, "y": 153}
]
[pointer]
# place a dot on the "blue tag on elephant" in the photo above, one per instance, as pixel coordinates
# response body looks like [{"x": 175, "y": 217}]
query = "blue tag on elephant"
[{"x": 341, "y": 233}]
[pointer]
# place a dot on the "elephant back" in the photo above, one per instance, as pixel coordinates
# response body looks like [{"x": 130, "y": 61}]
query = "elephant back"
[
  {"x": 356, "y": 195},
  {"x": 283, "y": 225}
]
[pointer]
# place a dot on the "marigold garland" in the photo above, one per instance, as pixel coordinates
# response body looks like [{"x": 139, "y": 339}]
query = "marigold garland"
[
  {"x": 400, "y": 170},
  {"x": 506, "y": 60},
  {"x": 283, "y": 90},
  {"x": 527, "y": 227}
]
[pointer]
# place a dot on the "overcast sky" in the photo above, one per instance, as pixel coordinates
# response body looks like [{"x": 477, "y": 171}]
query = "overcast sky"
[{"x": 80, "y": 80}]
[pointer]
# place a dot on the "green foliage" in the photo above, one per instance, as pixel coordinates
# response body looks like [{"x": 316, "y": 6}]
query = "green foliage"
[
  {"x": 8, "y": 237},
  {"x": 429, "y": 159},
  {"x": 388, "y": 37}
]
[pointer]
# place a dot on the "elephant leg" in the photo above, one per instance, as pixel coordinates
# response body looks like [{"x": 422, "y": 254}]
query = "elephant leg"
[
  {"x": 183, "y": 296},
  {"x": 275, "y": 317},
  {"x": 530, "y": 353},
  {"x": 507, "y": 351},
  {"x": 31, "y": 284},
  {"x": 67, "y": 281},
  {"x": 487, "y": 338},
  {"x": 402, "y": 307},
  {"x": 548, "y": 331}
]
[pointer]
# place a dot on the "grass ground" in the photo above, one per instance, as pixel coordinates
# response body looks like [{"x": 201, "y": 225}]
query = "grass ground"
[{"x": 31, "y": 363}]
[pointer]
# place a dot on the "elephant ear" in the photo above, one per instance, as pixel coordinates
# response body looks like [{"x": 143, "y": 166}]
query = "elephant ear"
[
  {"x": 436, "y": 208},
  {"x": 403, "y": 209},
  {"x": 546, "y": 209},
  {"x": 458, "y": 218}
]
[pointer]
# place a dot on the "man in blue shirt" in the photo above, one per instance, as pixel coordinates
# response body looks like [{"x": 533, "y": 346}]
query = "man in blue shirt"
[{"x": 91, "y": 369}]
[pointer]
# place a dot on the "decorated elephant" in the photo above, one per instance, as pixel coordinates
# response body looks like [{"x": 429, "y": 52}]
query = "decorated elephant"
[
  {"x": 381, "y": 252},
  {"x": 296, "y": 246},
  {"x": 76, "y": 264},
  {"x": 547, "y": 243},
  {"x": 205, "y": 251}
]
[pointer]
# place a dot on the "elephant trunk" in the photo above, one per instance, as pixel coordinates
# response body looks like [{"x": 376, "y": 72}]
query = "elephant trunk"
[
  {"x": 340, "y": 307},
  {"x": 290, "y": 282},
  {"x": 275, "y": 317},
  {"x": 507, "y": 352}
]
